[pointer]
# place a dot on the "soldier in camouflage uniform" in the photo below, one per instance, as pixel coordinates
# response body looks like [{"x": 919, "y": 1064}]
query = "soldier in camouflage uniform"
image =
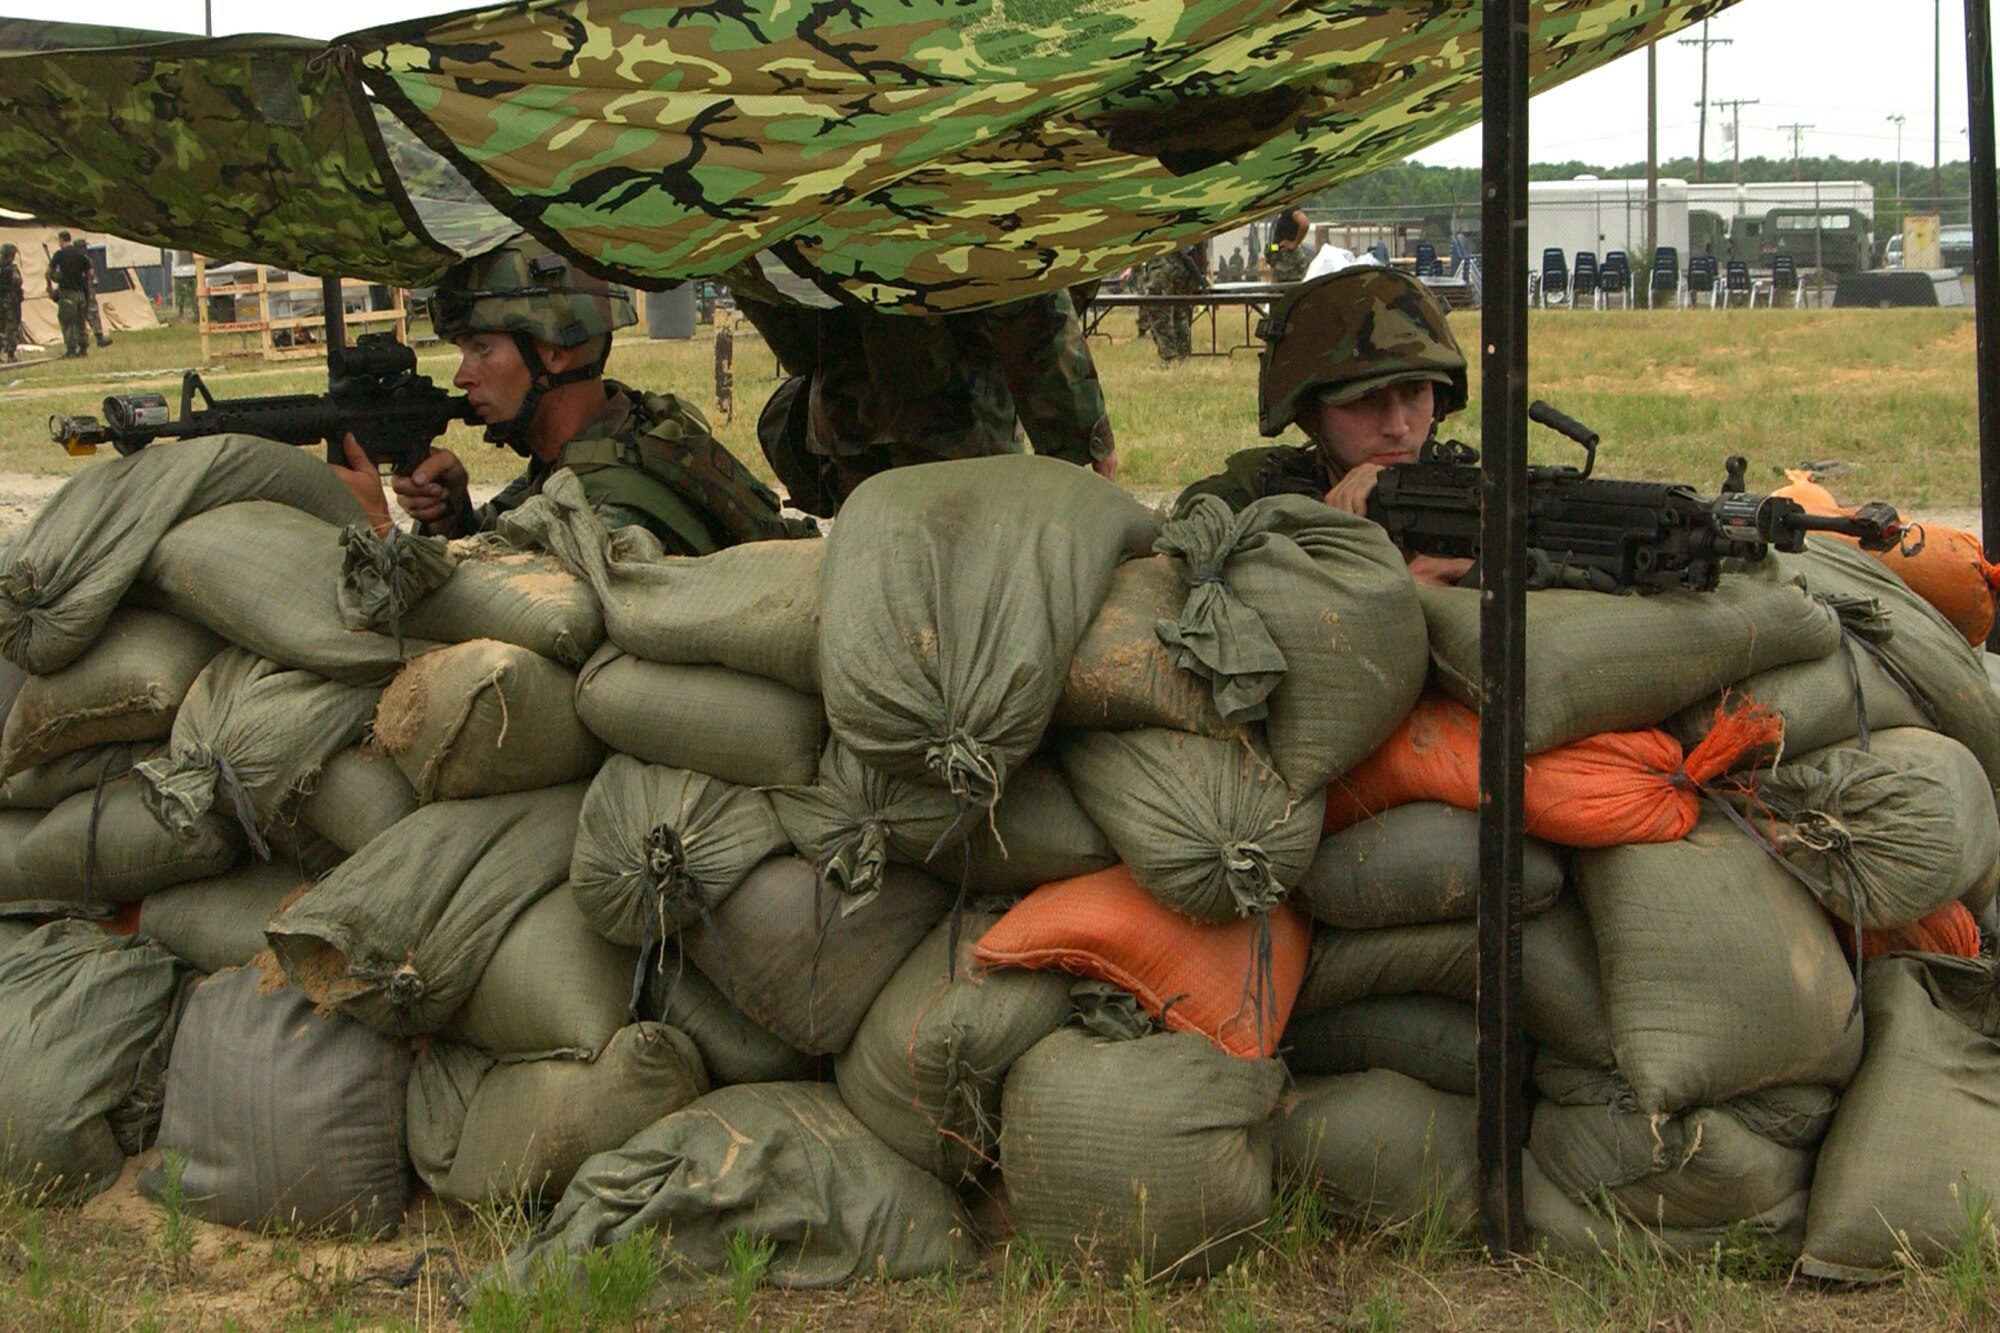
[
  {"x": 69, "y": 283},
  {"x": 1291, "y": 250},
  {"x": 1364, "y": 363},
  {"x": 1171, "y": 326},
  {"x": 12, "y": 293},
  {"x": 870, "y": 391},
  {"x": 533, "y": 336},
  {"x": 92, "y": 316}
]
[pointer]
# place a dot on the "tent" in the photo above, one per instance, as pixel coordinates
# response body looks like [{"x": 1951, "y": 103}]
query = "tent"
[
  {"x": 123, "y": 311},
  {"x": 907, "y": 154}
]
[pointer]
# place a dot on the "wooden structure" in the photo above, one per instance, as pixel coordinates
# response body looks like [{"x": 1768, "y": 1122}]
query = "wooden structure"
[{"x": 285, "y": 336}]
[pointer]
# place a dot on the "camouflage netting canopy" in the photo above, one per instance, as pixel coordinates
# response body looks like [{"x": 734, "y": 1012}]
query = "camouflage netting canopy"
[{"x": 912, "y": 154}]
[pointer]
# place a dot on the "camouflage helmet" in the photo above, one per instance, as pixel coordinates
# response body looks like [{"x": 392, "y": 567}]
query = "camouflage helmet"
[
  {"x": 525, "y": 287},
  {"x": 1350, "y": 333}
]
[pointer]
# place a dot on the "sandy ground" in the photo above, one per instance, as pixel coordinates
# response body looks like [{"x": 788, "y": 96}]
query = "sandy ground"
[{"x": 21, "y": 495}]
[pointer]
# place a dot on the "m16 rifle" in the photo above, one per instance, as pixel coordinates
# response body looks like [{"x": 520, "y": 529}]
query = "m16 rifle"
[
  {"x": 1585, "y": 532},
  {"x": 373, "y": 391}
]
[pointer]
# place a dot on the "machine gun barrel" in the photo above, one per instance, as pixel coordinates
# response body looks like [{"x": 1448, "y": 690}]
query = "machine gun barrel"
[{"x": 1605, "y": 534}]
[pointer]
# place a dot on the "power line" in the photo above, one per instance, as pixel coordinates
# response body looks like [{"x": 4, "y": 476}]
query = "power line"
[{"x": 1736, "y": 106}]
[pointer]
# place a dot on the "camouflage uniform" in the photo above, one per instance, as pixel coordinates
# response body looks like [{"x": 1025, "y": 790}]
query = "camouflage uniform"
[
  {"x": 873, "y": 391},
  {"x": 1171, "y": 327},
  {"x": 12, "y": 293},
  {"x": 1337, "y": 338},
  {"x": 648, "y": 459},
  {"x": 1289, "y": 265}
]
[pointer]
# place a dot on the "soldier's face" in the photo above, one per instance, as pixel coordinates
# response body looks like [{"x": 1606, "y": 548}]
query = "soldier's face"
[
  {"x": 1384, "y": 427},
  {"x": 492, "y": 375}
]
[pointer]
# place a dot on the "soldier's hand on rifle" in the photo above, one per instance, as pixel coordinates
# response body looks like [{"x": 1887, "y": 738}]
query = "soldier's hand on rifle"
[
  {"x": 361, "y": 477},
  {"x": 1351, "y": 492},
  {"x": 435, "y": 493},
  {"x": 1438, "y": 571}
]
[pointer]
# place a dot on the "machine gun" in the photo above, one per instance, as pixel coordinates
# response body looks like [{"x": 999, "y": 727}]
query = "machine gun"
[
  {"x": 1607, "y": 535},
  {"x": 373, "y": 391}
]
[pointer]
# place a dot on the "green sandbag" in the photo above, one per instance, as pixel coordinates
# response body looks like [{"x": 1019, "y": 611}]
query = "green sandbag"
[
  {"x": 953, "y": 596},
  {"x": 1890, "y": 834},
  {"x": 125, "y": 687},
  {"x": 400, "y": 934},
  {"x": 733, "y": 1049},
  {"x": 359, "y": 793},
  {"x": 706, "y": 719},
  {"x": 1706, "y": 1167},
  {"x": 1155, "y": 1152},
  {"x": 779, "y": 1165},
  {"x": 1431, "y": 1038},
  {"x": 61, "y": 579},
  {"x": 1121, "y": 676},
  {"x": 284, "y": 1116},
  {"x": 521, "y": 1130},
  {"x": 1412, "y": 865},
  {"x": 265, "y": 576},
  {"x": 1616, "y": 663},
  {"x": 1303, "y": 616},
  {"x": 246, "y": 739},
  {"x": 219, "y": 923},
  {"x": 1037, "y": 834},
  {"x": 1912, "y": 637},
  {"x": 12, "y": 678},
  {"x": 1562, "y": 1006},
  {"x": 1208, "y": 827},
  {"x": 108, "y": 847},
  {"x": 1816, "y": 701},
  {"x": 753, "y": 607},
  {"x": 1908, "y": 1167},
  {"x": 656, "y": 847},
  {"x": 1382, "y": 1147},
  {"x": 925, "y": 1066},
  {"x": 1560, "y": 1225},
  {"x": 16, "y": 885},
  {"x": 553, "y": 987},
  {"x": 46, "y": 786},
  {"x": 477, "y": 588},
  {"x": 484, "y": 718},
  {"x": 804, "y": 962},
  {"x": 86, "y": 1020},
  {"x": 853, "y": 820},
  {"x": 1721, "y": 975}
]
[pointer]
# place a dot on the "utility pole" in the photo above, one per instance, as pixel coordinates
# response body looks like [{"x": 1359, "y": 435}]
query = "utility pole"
[
  {"x": 1899, "y": 118},
  {"x": 1652, "y": 150},
  {"x": 1797, "y": 132},
  {"x": 1701, "y": 140},
  {"x": 1736, "y": 106}
]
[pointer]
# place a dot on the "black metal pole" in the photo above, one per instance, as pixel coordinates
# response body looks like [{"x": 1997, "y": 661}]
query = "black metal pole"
[
  {"x": 1985, "y": 266},
  {"x": 1503, "y": 533}
]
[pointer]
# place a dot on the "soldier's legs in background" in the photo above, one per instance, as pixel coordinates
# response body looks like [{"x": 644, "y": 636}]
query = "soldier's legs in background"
[
  {"x": 69, "y": 314},
  {"x": 95, "y": 320}
]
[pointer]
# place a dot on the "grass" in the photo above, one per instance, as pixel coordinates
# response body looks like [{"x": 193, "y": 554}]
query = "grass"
[{"x": 1892, "y": 393}]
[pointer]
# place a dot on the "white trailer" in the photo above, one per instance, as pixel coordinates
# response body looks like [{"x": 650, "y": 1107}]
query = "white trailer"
[
  {"x": 1755, "y": 199},
  {"x": 1603, "y": 215}
]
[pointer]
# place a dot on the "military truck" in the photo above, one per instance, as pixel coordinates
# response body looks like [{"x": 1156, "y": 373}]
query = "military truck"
[{"x": 1838, "y": 240}]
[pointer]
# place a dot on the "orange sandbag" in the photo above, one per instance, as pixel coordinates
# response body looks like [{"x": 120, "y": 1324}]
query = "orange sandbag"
[
  {"x": 1949, "y": 930},
  {"x": 1949, "y": 570},
  {"x": 1609, "y": 790},
  {"x": 1214, "y": 980}
]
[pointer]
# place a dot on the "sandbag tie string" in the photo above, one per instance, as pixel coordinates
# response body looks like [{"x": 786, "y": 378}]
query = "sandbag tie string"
[
  {"x": 1897, "y": 674},
  {"x": 1817, "y": 887},
  {"x": 231, "y": 787}
]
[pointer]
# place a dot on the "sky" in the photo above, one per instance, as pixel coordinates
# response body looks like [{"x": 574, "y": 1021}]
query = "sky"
[{"x": 1839, "y": 69}]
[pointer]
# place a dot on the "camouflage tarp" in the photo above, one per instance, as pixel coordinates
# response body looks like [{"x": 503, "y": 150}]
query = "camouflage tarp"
[{"x": 903, "y": 153}]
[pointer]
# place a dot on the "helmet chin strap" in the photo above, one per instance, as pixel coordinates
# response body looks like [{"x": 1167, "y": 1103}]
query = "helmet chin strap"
[{"x": 513, "y": 432}]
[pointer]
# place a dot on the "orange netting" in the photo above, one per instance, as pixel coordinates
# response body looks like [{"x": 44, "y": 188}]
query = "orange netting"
[
  {"x": 1949, "y": 930},
  {"x": 1602, "y": 791}
]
